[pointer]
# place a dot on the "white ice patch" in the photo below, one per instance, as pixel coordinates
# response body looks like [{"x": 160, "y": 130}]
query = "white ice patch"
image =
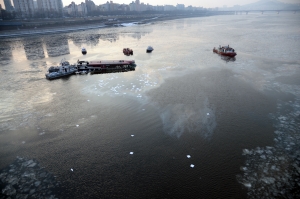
[
  {"x": 128, "y": 24},
  {"x": 192, "y": 166},
  {"x": 188, "y": 156},
  {"x": 131, "y": 153}
]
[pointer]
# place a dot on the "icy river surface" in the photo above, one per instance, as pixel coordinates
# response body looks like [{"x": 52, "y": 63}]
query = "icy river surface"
[{"x": 186, "y": 123}]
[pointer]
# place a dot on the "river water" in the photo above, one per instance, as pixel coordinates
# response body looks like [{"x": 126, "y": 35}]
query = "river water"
[{"x": 198, "y": 125}]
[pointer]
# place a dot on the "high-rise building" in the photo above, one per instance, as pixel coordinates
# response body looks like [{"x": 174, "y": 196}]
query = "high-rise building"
[
  {"x": 24, "y": 8},
  {"x": 8, "y": 6},
  {"x": 137, "y": 4},
  {"x": 50, "y": 7},
  {"x": 90, "y": 6}
]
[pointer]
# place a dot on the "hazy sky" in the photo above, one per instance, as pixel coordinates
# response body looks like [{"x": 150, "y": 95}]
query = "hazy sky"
[{"x": 202, "y": 3}]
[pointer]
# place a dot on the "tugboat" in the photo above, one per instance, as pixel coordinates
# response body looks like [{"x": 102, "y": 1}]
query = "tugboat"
[
  {"x": 149, "y": 49},
  {"x": 225, "y": 51},
  {"x": 127, "y": 51},
  {"x": 83, "y": 51},
  {"x": 64, "y": 69}
]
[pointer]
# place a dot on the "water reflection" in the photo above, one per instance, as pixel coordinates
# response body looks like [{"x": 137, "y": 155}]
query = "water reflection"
[
  {"x": 5, "y": 52},
  {"x": 89, "y": 40},
  {"x": 228, "y": 59},
  {"x": 57, "y": 46},
  {"x": 34, "y": 49}
]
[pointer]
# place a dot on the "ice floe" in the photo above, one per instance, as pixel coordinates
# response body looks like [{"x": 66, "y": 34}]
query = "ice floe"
[
  {"x": 274, "y": 171},
  {"x": 26, "y": 179}
]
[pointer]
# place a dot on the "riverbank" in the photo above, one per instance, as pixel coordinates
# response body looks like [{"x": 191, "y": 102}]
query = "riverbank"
[{"x": 52, "y": 26}]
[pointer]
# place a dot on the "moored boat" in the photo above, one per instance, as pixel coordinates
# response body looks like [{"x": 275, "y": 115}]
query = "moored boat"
[
  {"x": 63, "y": 70},
  {"x": 127, "y": 51},
  {"x": 225, "y": 51},
  {"x": 102, "y": 66},
  {"x": 149, "y": 49}
]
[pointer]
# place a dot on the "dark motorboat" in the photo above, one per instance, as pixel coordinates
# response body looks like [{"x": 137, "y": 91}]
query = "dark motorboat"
[
  {"x": 83, "y": 51},
  {"x": 127, "y": 51},
  {"x": 149, "y": 49},
  {"x": 225, "y": 51}
]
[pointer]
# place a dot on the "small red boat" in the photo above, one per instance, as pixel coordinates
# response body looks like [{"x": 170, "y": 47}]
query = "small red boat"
[
  {"x": 127, "y": 51},
  {"x": 225, "y": 51}
]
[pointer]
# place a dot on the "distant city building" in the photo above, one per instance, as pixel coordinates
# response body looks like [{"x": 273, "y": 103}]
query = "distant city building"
[
  {"x": 169, "y": 8},
  {"x": 24, "y": 8},
  {"x": 35, "y": 5},
  {"x": 180, "y": 6},
  {"x": 50, "y": 7},
  {"x": 72, "y": 9},
  {"x": 82, "y": 9},
  {"x": 8, "y": 6},
  {"x": 132, "y": 6},
  {"x": 90, "y": 6},
  {"x": 137, "y": 5}
]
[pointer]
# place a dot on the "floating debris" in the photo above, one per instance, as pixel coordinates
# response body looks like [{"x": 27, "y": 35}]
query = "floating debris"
[
  {"x": 26, "y": 179},
  {"x": 192, "y": 166},
  {"x": 188, "y": 156},
  {"x": 131, "y": 153},
  {"x": 207, "y": 113},
  {"x": 71, "y": 169},
  {"x": 132, "y": 135},
  {"x": 77, "y": 125}
]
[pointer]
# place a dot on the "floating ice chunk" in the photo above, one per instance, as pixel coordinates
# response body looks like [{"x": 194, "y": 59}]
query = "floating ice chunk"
[
  {"x": 246, "y": 152},
  {"x": 188, "y": 156},
  {"x": 268, "y": 180},
  {"x": 192, "y": 166},
  {"x": 71, "y": 169},
  {"x": 32, "y": 165},
  {"x": 143, "y": 109},
  {"x": 88, "y": 100},
  {"x": 23, "y": 142},
  {"x": 263, "y": 156},
  {"x": 37, "y": 183},
  {"x": 131, "y": 153},
  {"x": 132, "y": 135},
  {"x": 247, "y": 184},
  {"x": 77, "y": 125},
  {"x": 207, "y": 113}
]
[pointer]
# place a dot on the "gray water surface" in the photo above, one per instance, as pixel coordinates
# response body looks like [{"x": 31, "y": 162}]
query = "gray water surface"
[{"x": 238, "y": 118}]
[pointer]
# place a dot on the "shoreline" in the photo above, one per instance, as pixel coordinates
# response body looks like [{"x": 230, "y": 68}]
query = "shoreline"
[{"x": 80, "y": 25}]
